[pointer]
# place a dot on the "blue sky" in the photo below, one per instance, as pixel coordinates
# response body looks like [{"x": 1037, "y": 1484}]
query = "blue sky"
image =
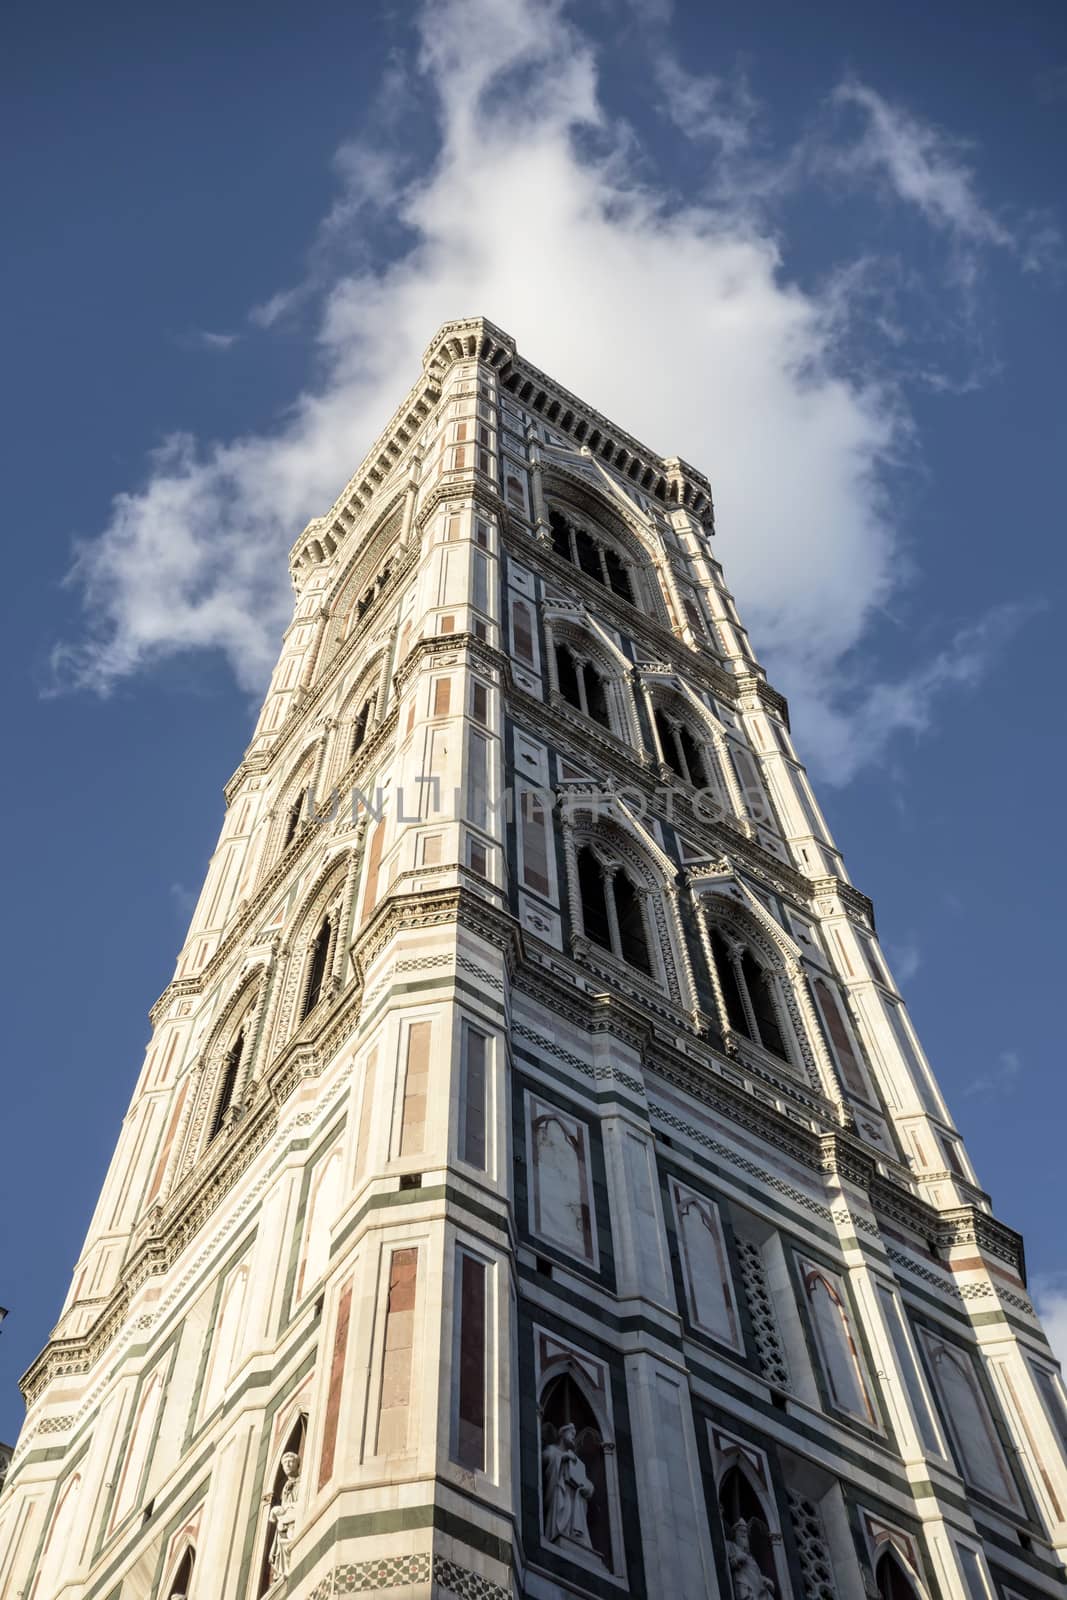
[{"x": 819, "y": 253}]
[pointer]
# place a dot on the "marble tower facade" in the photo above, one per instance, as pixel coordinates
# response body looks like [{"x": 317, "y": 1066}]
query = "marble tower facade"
[{"x": 534, "y": 1185}]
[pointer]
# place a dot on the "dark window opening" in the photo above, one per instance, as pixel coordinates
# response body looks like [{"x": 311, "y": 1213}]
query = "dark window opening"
[
  {"x": 761, "y": 995},
  {"x": 632, "y": 934},
  {"x": 594, "y": 899},
  {"x": 596, "y": 697},
  {"x": 292, "y": 821},
  {"x": 359, "y": 727},
  {"x": 731, "y": 990},
  {"x": 588, "y": 554},
  {"x": 891, "y": 1580},
  {"x": 618, "y": 576},
  {"x": 567, "y": 676},
  {"x": 317, "y": 968},
  {"x": 561, "y": 535},
  {"x": 183, "y": 1577},
  {"x": 693, "y": 757},
  {"x": 229, "y": 1083}
]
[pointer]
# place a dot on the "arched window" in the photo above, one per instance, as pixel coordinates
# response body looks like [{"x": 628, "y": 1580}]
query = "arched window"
[
  {"x": 581, "y": 685},
  {"x": 749, "y": 1546},
  {"x": 293, "y": 818},
  {"x": 748, "y": 992},
  {"x": 594, "y": 899},
  {"x": 613, "y": 914},
  {"x": 890, "y": 1578},
  {"x": 618, "y": 576},
  {"x": 320, "y": 953},
  {"x": 230, "y": 1070},
  {"x": 359, "y": 727},
  {"x": 183, "y": 1576},
  {"x": 281, "y": 1518},
  {"x": 633, "y": 936},
  {"x": 575, "y": 1503},
  {"x": 594, "y": 555},
  {"x": 680, "y": 749}
]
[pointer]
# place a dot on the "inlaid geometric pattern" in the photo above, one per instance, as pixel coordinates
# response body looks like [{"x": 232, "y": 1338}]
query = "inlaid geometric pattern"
[
  {"x": 393, "y": 1572},
  {"x": 815, "y": 1563},
  {"x": 761, "y": 1307}
]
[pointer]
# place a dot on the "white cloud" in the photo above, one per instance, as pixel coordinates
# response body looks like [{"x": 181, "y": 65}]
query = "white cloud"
[
  {"x": 1001, "y": 1078},
  {"x": 705, "y": 106},
  {"x": 925, "y": 166},
  {"x": 905, "y": 959},
  {"x": 677, "y": 319},
  {"x": 1049, "y": 1291}
]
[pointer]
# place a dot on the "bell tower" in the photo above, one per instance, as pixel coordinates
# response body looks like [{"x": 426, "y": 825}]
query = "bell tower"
[{"x": 534, "y": 1185}]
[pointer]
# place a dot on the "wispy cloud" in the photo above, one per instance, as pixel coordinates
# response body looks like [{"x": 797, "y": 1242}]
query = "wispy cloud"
[
  {"x": 705, "y": 107},
  {"x": 1049, "y": 1292},
  {"x": 204, "y": 339},
  {"x": 741, "y": 370},
  {"x": 1001, "y": 1078},
  {"x": 905, "y": 958}
]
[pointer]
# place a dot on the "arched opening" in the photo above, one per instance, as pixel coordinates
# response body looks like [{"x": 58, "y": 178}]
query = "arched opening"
[
  {"x": 633, "y": 936},
  {"x": 891, "y": 1580},
  {"x": 567, "y": 676},
  {"x": 183, "y": 1576},
  {"x": 576, "y": 1512},
  {"x": 748, "y": 993},
  {"x": 680, "y": 749},
  {"x": 618, "y": 576},
  {"x": 359, "y": 727},
  {"x": 749, "y": 1547},
  {"x": 281, "y": 1518},
  {"x": 613, "y": 913},
  {"x": 581, "y": 685},
  {"x": 231, "y": 1068},
  {"x": 764, "y": 1008},
  {"x": 736, "y": 1015},
  {"x": 594, "y": 898},
  {"x": 592, "y": 553},
  {"x": 292, "y": 819},
  {"x": 320, "y": 952}
]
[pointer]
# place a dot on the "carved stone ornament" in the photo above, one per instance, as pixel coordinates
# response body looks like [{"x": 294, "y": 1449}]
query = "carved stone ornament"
[{"x": 283, "y": 1517}]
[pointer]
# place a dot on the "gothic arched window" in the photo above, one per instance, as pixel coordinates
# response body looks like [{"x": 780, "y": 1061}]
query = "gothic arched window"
[
  {"x": 680, "y": 749},
  {"x": 320, "y": 952},
  {"x": 230, "y": 1070},
  {"x": 292, "y": 819},
  {"x": 581, "y": 685},
  {"x": 183, "y": 1576},
  {"x": 749, "y": 994},
  {"x": 575, "y": 1503},
  {"x": 891, "y": 1581},
  {"x": 613, "y": 914},
  {"x": 359, "y": 727},
  {"x": 593, "y": 554}
]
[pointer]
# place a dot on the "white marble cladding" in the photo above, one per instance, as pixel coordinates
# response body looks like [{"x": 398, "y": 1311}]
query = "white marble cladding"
[{"x": 534, "y": 1184}]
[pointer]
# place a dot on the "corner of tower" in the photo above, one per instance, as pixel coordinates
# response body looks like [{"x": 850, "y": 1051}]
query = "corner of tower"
[{"x": 467, "y": 338}]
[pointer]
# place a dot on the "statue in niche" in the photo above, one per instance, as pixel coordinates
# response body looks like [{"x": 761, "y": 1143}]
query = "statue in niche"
[
  {"x": 283, "y": 1516},
  {"x": 568, "y": 1490},
  {"x": 574, "y": 1473},
  {"x": 748, "y": 1581}
]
